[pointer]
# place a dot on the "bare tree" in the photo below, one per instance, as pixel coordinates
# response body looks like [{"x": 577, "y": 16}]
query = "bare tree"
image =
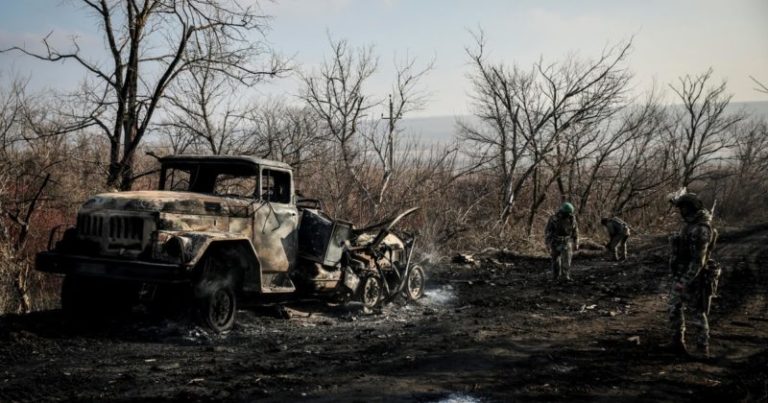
[
  {"x": 751, "y": 149},
  {"x": 525, "y": 116},
  {"x": 150, "y": 43},
  {"x": 30, "y": 149},
  {"x": 640, "y": 172},
  {"x": 285, "y": 133},
  {"x": 699, "y": 132},
  {"x": 760, "y": 86},
  {"x": 610, "y": 147},
  {"x": 407, "y": 98},
  {"x": 743, "y": 192},
  {"x": 11, "y": 114},
  {"x": 202, "y": 115},
  {"x": 336, "y": 94}
]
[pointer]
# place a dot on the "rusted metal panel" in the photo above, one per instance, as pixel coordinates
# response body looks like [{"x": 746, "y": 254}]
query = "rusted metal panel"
[{"x": 275, "y": 236}]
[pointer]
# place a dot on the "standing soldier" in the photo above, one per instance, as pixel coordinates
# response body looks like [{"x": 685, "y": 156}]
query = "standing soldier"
[
  {"x": 618, "y": 232},
  {"x": 562, "y": 234},
  {"x": 694, "y": 276}
]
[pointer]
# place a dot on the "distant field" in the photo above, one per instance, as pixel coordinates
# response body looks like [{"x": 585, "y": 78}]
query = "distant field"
[{"x": 442, "y": 129}]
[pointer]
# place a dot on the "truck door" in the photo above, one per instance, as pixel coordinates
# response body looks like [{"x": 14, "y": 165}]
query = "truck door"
[{"x": 275, "y": 229}]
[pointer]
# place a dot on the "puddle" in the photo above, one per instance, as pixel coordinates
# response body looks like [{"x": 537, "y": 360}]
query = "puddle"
[{"x": 459, "y": 398}]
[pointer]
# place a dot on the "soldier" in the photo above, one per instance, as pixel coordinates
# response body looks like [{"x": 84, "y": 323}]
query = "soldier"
[
  {"x": 618, "y": 232},
  {"x": 561, "y": 235},
  {"x": 694, "y": 276}
]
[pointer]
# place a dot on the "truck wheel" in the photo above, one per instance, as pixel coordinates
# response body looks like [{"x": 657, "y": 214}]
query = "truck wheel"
[
  {"x": 217, "y": 306},
  {"x": 370, "y": 293},
  {"x": 414, "y": 284},
  {"x": 215, "y": 292}
]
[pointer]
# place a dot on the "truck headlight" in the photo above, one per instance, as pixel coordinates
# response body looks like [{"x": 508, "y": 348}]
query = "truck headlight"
[
  {"x": 169, "y": 247},
  {"x": 175, "y": 247}
]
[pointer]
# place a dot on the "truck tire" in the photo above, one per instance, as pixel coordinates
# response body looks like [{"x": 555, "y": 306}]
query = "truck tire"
[
  {"x": 414, "y": 283},
  {"x": 216, "y": 293},
  {"x": 370, "y": 292},
  {"x": 217, "y": 306}
]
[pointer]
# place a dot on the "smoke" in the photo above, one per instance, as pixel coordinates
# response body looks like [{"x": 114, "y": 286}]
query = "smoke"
[
  {"x": 443, "y": 296},
  {"x": 427, "y": 255}
]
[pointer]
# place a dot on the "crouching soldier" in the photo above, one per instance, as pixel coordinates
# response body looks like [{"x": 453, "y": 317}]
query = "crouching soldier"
[
  {"x": 562, "y": 237},
  {"x": 618, "y": 233},
  {"x": 694, "y": 275}
]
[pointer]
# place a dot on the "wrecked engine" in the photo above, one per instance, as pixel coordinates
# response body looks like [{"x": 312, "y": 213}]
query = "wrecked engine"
[{"x": 337, "y": 259}]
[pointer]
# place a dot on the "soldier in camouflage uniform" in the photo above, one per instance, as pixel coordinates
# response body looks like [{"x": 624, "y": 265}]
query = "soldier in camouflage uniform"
[
  {"x": 562, "y": 236},
  {"x": 618, "y": 232},
  {"x": 694, "y": 276}
]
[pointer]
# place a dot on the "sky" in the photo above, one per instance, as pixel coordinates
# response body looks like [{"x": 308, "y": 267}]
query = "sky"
[{"x": 671, "y": 38}]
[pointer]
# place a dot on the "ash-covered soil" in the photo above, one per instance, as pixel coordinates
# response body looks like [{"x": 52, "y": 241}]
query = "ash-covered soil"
[{"x": 496, "y": 331}]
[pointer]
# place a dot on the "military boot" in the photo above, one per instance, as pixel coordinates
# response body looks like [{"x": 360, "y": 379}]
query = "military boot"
[
  {"x": 556, "y": 272},
  {"x": 703, "y": 349},
  {"x": 567, "y": 274},
  {"x": 678, "y": 345}
]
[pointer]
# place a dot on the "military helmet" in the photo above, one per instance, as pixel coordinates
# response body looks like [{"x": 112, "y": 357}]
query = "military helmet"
[
  {"x": 690, "y": 200},
  {"x": 567, "y": 208}
]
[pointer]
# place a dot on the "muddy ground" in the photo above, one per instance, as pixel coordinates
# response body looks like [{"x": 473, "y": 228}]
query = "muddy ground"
[{"x": 500, "y": 331}]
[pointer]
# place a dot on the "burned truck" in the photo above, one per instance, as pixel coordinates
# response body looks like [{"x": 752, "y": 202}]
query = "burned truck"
[{"x": 220, "y": 228}]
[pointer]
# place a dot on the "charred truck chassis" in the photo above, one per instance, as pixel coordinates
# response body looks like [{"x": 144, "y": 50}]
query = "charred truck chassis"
[{"x": 220, "y": 228}]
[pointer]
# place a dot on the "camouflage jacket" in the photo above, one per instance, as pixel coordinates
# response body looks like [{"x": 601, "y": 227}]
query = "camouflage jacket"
[
  {"x": 616, "y": 226},
  {"x": 692, "y": 247},
  {"x": 561, "y": 227}
]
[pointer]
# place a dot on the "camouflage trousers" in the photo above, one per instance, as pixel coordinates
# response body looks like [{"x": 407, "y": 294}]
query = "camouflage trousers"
[
  {"x": 618, "y": 245},
  {"x": 561, "y": 252},
  {"x": 689, "y": 304}
]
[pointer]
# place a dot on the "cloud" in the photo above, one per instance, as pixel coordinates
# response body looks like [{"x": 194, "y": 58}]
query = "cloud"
[{"x": 574, "y": 31}]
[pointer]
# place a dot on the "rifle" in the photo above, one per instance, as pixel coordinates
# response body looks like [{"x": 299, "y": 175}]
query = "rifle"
[
  {"x": 711, "y": 271},
  {"x": 711, "y": 279}
]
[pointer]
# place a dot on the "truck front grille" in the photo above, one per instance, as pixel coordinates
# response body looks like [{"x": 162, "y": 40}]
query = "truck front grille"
[
  {"x": 90, "y": 225},
  {"x": 126, "y": 228},
  {"x": 119, "y": 231}
]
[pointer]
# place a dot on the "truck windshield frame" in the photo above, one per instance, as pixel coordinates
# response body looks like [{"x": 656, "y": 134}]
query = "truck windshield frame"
[{"x": 204, "y": 177}]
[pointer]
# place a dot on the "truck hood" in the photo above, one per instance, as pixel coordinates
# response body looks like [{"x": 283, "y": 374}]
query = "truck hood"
[{"x": 169, "y": 202}]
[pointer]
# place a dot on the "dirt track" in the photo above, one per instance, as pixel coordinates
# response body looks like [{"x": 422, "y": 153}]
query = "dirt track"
[{"x": 498, "y": 332}]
